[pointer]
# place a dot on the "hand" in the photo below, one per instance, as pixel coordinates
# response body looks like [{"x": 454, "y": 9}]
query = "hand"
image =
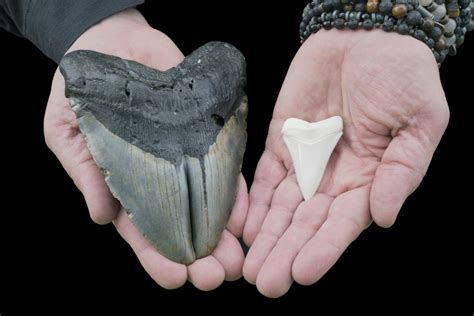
[
  {"x": 128, "y": 35},
  {"x": 386, "y": 87}
]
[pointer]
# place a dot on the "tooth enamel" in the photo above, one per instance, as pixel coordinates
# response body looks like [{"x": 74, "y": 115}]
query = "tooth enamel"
[
  {"x": 170, "y": 143},
  {"x": 310, "y": 146}
]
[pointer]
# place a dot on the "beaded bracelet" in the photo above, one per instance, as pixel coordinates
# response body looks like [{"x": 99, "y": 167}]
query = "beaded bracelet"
[{"x": 440, "y": 25}]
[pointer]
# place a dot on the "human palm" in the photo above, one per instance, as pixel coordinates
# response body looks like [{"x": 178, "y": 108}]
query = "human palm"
[
  {"x": 386, "y": 87},
  {"x": 127, "y": 35}
]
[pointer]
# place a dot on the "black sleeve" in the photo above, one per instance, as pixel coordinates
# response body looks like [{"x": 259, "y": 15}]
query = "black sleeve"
[{"x": 53, "y": 25}]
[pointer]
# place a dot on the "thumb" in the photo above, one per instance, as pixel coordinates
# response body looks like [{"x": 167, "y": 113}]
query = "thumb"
[
  {"x": 156, "y": 50},
  {"x": 401, "y": 171}
]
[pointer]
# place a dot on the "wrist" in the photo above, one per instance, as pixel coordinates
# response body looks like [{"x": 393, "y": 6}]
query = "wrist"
[{"x": 390, "y": 50}]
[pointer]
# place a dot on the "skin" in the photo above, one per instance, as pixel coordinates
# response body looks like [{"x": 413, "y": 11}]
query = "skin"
[
  {"x": 128, "y": 36},
  {"x": 385, "y": 86},
  {"x": 387, "y": 89}
]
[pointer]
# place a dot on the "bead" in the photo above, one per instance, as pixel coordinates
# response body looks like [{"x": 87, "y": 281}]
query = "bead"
[
  {"x": 359, "y": 7},
  {"x": 339, "y": 23},
  {"x": 420, "y": 35},
  {"x": 327, "y": 25},
  {"x": 465, "y": 21},
  {"x": 454, "y": 13},
  {"x": 327, "y": 6},
  {"x": 401, "y": 1},
  {"x": 368, "y": 25},
  {"x": 439, "y": 1},
  {"x": 440, "y": 44},
  {"x": 436, "y": 33},
  {"x": 437, "y": 57},
  {"x": 424, "y": 12},
  {"x": 379, "y": 18},
  {"x": 465, "y": 12},
  {"x": 365, "y": 16},
  {"x": 372, "y": 6},
  {"x": 318, "y": 10},
  {"x": 388, "y": 26},
  {"x": 453, "y": 10},
  {"x": 464, "y": 3},
  {"x": 414, "y": 18},
  {"x": 442, "y": 55},
  {"x": 399, "y": 11},
  {"x": 459, "y": 41},
  {"x": 353, "y": 24},
  {"x": 430, "y": 43},
  {"x": 439, "y": 12},
  {"x": 459, "y": 31},
  {"x": 427, "y": 24},
  {"x": 449, "y": 27},
  {"x": 337, "y": 4},
  {"x": 403, "y": 29},
  {"x": 385, "y": 7},
  {"x": 353, "y": 15},
  {"x": 425, "y": 3},
  {"x": 452, "y": 50},
  {"x": 413, "y": 3},
  {"x": 450, "y": 41},
  {"x": 347, "y": 7}
]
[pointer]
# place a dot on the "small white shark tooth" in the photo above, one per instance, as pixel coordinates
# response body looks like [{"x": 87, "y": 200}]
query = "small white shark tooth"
[{"x": 310, "y": 146}]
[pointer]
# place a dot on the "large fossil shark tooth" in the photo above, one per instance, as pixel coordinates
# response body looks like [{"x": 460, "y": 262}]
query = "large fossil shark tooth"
[
  {"x": 310, "y": 146},
  {"x": 170, "y": 143}
]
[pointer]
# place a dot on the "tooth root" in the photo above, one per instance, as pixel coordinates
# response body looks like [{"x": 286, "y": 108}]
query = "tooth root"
[{"x": 310, "y": 146}]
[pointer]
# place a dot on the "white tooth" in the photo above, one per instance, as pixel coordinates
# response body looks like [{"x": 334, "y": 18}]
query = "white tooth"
[{"x": 311, "y": 146}]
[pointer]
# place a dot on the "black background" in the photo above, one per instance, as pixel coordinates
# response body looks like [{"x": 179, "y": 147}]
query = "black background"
[{"x": 52, "y": 255}]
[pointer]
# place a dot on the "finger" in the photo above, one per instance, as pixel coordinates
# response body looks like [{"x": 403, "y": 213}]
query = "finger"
[
  {"x": 206, "y": 274},
  {"x": 285, "y": 201},
  {"x": 230, "y": 255},
  {"x": 159, "y": 51},
  {"x": 348, "y": 216},
  {"x": 401, "y": 171},
  {"x": 239, "y": 212},
  {"x": 65, "y": 141},
  {"x": 274, "y": 278},
  {"x": 103, "y": 207},
  {"x": 270, "y": 172},
  {"x": 168, "y": 274}
]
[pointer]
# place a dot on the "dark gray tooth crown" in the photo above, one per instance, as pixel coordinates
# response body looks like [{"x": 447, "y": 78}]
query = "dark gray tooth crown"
[{"x": 170, "y": 143}]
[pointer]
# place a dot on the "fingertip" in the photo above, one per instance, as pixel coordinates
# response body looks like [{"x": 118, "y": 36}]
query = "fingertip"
[
  {"x": 104, "y": 214},
  {"x": 389, "y": 191},
  {"x": 272, "y": 286},
  {"x": 249, "y": 272},
  {"x": 175, "y": 278},
  {"x": 256, "y": 257},
  {"x": 302, "y": 273},
  {"x": 384, "y": 218},
  {"x": 166, "y": 273},
  {"x": 206, "y": 274},
  {"x": 230, "y": 255}
]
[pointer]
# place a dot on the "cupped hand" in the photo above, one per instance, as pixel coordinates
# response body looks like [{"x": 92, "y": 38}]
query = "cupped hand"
[
  {"x": 387, "y": 89},
  {"x": 127, "y": 35}
]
